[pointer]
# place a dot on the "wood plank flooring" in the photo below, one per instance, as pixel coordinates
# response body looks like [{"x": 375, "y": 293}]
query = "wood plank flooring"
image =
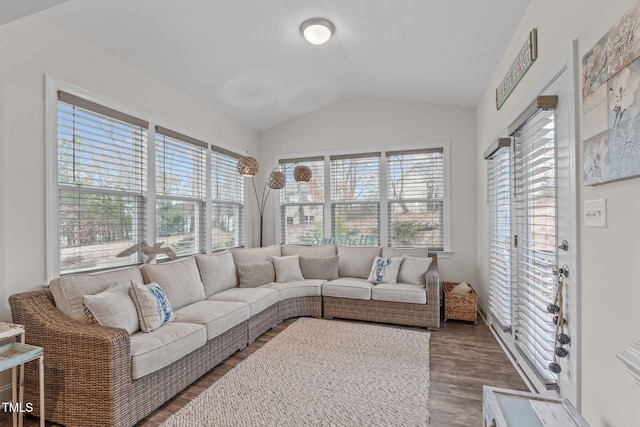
[{"x": 463, "y": 358}]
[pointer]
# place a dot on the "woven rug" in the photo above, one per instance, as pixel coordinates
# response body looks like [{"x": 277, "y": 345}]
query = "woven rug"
[{"x": 322, "y": 373}]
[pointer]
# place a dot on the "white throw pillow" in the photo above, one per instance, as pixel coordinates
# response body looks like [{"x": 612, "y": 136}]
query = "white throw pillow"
[
  {"x": 152, "y": 305},
  {"x": 413, "y": 270},
  {"x": 112, "y": 307},
  {"x": 385, "y": 270},
  {"x": 462, "y": 288},
  {"x": 287, "y": 268}
]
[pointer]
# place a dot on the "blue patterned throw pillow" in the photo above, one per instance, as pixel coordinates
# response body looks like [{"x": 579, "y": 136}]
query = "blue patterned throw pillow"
[
  {"x": 152, "y": 305},
  {"x": 385, "y": 270}
]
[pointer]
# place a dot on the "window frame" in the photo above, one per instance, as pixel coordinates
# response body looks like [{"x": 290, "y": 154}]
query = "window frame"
[
  {"x": 52, "y": 244},
  {"x": 383, "y": 200}
]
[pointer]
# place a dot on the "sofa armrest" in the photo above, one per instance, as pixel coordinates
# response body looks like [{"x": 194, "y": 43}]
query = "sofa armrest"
[
  {"x": 434, "y": 289},
  {"x": 83, "y": 360}
]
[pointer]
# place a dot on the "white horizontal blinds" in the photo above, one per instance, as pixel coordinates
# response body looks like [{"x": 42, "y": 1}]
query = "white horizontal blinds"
[
  {"x": 101, "y": 182},
  {"x": 535, "y": 255},
  {"x": 180, "y": 192},
  {"x": 355, "y": 199},
  {"x": 302, "y": 205},
  {"x": 499, "y": 201},
  {"x": 415, "y": 194},
  {"x": 227, "y": 201}
]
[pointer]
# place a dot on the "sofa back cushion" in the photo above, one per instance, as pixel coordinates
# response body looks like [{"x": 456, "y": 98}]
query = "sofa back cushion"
[
  {"x": 309, "y": 251},
  {"x": 217, "y": 271},
  {"x": 180, "y": 280},
  {"x": 356, "y": 261},
  {"x": 247, "y": 255},
  {"x": 68, "y": 290},
  {"x": 416, "y": 252}
]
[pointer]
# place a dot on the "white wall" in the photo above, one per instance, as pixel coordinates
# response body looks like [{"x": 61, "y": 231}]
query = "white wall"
[
  {"x": 29, "y": 49},
  {"x": 369, "y": 122},
  {"x": 610, "y": 264}
]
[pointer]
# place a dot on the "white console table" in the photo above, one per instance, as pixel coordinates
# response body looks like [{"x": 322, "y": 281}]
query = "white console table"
[{"x": 511, "y": 408}]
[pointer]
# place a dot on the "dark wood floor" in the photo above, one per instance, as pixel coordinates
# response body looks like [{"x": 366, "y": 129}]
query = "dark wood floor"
[{"x": 463, "y": 358}]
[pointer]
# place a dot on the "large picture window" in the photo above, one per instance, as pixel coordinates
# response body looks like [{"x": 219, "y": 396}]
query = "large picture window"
[
  {"x": 389, "y": 198},
  {"x": 119, "y": 181}
]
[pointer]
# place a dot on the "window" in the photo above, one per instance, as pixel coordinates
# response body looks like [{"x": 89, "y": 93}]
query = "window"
[
  {"x": 388, "y": 198},
  {"x": 499, "y": 203},
  {"x": 227, "y": 201},
  {"x": 101, "y": 184},
  {"x": 415, "y": 187},
  {"x": 116, "y": 180},
  {"x": 180, "y": 192},
  {"x": 355, "y": 199},
  {"x": 301, "y": 204}
]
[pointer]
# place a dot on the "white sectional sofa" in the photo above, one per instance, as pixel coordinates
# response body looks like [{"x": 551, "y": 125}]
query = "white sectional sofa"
[{"x": 102, "y": 370}]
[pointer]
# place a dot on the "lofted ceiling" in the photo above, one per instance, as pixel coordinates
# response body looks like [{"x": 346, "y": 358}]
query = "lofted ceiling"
[{"x": 247, "y": 59}]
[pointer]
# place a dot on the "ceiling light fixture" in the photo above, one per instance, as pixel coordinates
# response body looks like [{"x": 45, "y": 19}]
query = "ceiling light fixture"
[{"x": 317, "y": 30}]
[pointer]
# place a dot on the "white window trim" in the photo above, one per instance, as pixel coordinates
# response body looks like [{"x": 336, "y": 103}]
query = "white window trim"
[
  {"x": 446, "y": 210},
  {"x": 52, "y": 86}
]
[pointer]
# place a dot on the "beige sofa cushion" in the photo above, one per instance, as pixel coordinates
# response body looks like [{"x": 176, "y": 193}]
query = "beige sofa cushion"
[
  {"x": 152, "y": 305},
  {"x": 258, "y": 299},
  {"x": 113, "y": 308},
  {"x": 254, "y": 274},
  {"x": 217, "y": 316},
  {"x": 348, "y": 287},
  {"x": 68, "y": 290},
  {"x": 251, "y": 255},
  {"x": 399, "y": 292},
  {"x": 417, "y": 252},
  {"x": 309, "y": 251},
  {"x": 413, "y": 270},
  {"x": 303, "y": 288},
  {"x": 180, "y": 280},
  {"x": 153, "y": 351},
  {"x": 356, "y": 261},
  {"x": 320, "y": 267},
  {"x": 217, "y": 271}
]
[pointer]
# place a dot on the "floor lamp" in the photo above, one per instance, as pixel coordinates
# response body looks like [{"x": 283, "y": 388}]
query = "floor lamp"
[{"x": 248, "y": 167}]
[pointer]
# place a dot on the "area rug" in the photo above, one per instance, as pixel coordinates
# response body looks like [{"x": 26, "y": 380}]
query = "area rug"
[{"x": 322, "y": 373}]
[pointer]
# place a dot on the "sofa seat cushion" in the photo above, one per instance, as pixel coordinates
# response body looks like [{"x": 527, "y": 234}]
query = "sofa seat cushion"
[
  {"x": 258, "y": 298},
  {"x": 348, "y": 287},
  {"x": 399, "y": 292},
  {"x": 217, "y": 316},
  {"x": 301, "y": 288},
  {"x": 155, "y": 350},
  {"x": 68, "y": 290}
]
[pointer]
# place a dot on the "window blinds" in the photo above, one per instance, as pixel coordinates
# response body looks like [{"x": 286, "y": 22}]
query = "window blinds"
[
  {"x": 180, "y": 193},
  {"x": 499, "y": 203},
  {"x": 302, "y": 205},
  {"x": 535, "y": 253},
  {"x": 101, "y": 182},
  {"x": 355, "y": 199},
  {"x": 227, "y": 201},
  {"x": 415, "y": 194}
]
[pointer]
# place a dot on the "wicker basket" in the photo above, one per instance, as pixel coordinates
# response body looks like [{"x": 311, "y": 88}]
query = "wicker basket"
[{"x": 460, "y": 306}]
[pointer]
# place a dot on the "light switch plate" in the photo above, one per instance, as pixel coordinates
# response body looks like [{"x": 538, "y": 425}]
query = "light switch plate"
[{"x": 595, "y": 213}]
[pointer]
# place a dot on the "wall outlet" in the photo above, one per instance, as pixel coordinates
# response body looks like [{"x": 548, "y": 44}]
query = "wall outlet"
[{"x": 595, "y": 213}]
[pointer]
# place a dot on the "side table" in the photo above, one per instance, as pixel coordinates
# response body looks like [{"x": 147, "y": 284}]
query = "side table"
[
  {"x": 510, "y": 408},
  {"x": 14, "y": 355}
]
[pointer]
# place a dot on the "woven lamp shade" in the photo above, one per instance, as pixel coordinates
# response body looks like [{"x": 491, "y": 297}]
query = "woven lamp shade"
[
  {"x": 276, "y": 180},
  {"x": 247, "y": 166},
  {"x": 302, "y": 174}
]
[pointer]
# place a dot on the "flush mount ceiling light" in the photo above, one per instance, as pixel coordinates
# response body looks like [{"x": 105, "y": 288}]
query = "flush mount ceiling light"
[{"x": 317, "y": 30}]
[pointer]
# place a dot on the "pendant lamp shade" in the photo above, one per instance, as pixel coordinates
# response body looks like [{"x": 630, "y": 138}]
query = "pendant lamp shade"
[
  {"x": 247, "y": 166},
  {"x": 277, "y": 180}
]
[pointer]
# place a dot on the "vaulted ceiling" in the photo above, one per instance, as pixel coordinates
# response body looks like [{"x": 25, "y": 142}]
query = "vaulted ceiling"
[{"x": 247, "y": 59}]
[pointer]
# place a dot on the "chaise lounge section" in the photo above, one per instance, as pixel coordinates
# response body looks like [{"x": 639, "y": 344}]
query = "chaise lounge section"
[{"x": 99, "y": 375}]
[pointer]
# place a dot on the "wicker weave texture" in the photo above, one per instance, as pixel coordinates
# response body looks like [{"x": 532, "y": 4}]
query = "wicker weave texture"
[
  {"x": 299, "y": 307},
  {"x": 262, "y": 322},
  {"x": 459, "y": 306}
]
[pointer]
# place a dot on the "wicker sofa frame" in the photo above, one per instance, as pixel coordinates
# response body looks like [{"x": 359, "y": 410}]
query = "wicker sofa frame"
[{"x": 88, "y": 378}]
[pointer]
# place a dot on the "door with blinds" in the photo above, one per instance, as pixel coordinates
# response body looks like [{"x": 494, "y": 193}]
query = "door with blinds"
[{"x": 543, "y": 258}]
